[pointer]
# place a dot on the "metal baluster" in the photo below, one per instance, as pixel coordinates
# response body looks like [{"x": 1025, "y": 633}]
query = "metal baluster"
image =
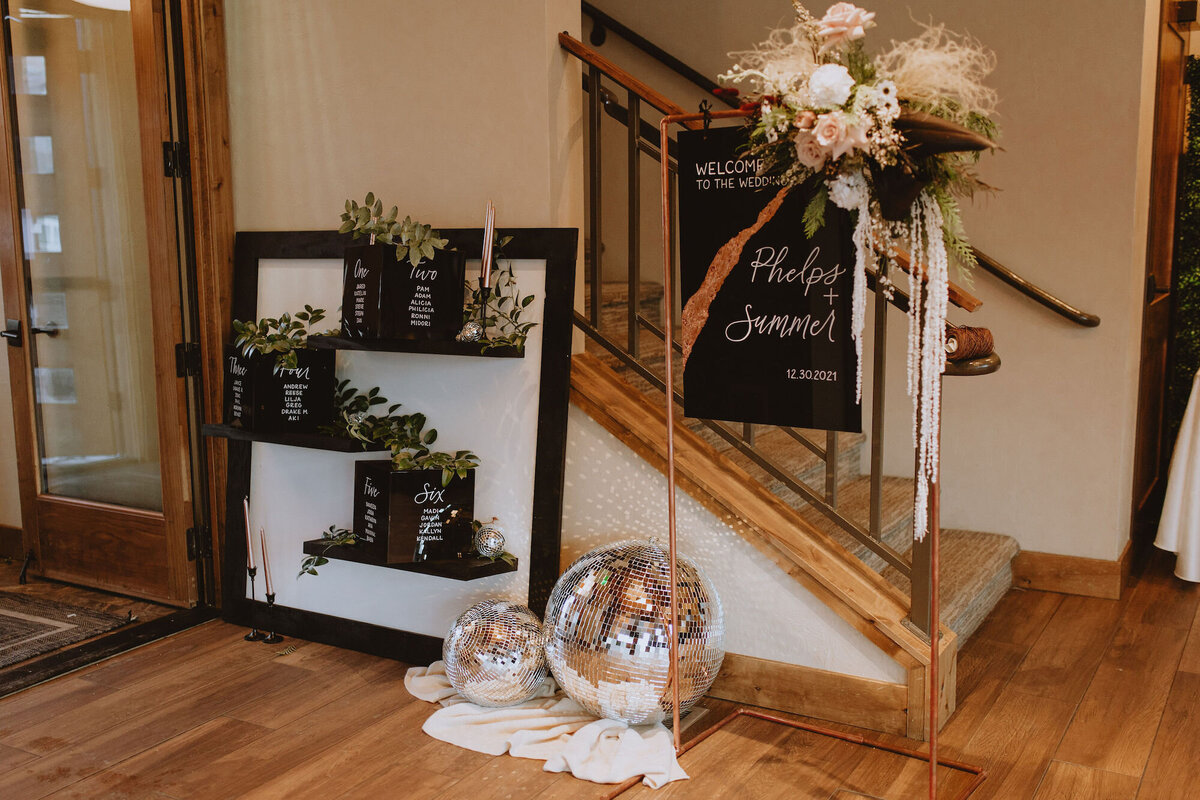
[
  {"x": 635, "y": 220},
  {"x": 594, "y": 243},
  {"x": 831, "y": 467},
  {"x": 877, "y": 398}
]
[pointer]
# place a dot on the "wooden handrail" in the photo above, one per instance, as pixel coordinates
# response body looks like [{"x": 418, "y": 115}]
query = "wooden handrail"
[
  {"x": 956, "y": 294},
  {"x": 1034, "y": 292},
  {"x": 589, "y": 56}
]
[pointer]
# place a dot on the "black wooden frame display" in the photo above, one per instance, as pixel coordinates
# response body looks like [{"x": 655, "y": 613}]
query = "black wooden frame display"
[{"x": 558, "y": 248}]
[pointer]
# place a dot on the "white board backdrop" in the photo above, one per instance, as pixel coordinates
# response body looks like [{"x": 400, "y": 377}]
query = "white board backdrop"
[{"x": 487, "y": 405}]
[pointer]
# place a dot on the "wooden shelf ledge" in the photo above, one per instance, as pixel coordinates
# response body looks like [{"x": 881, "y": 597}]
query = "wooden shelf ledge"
[
  {"x": 470, "y": 349},
  {"x": 313, "y": 441},
  {"x": 458, "y": 569}
]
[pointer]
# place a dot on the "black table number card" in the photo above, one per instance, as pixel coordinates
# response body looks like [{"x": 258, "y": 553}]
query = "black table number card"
[
  {"x": 405, "y": 517},
  {"x": 362, "y": 282},
  {"x": 383, "y": 298},
  {"x": 766, "y": 329},
  {"x": 428, "y": 299},
  {"x": 260, "y": 398}
]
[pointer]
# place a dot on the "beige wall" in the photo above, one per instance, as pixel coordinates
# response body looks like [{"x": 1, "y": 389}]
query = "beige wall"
[
  {"x": 1042, "y": 450},
  {"x": 435, "y": 107}
]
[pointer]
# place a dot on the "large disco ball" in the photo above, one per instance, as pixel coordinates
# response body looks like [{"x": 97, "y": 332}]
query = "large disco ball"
[
  {"x": 494, "y": 654},
  {"x": 607, "y": 632}
]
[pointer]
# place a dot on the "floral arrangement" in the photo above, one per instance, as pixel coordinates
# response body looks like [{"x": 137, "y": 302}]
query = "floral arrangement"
[{"x": 894, "y": 139}]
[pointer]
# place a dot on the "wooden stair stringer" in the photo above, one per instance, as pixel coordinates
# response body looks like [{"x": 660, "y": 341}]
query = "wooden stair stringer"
[{"x": 855, "y": 592}]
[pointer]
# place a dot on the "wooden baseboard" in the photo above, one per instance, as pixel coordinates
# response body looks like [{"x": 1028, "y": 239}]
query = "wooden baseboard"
[
  {"x": 10, "y": 542},
  {"x": 862, "y": 702},
  {"x": 1091, "y": 577}
]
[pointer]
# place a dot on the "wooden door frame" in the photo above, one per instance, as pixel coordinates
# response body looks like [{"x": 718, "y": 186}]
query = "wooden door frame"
[
  {"x": 1145, "y": 501},
  {"x": 202, "y": 23},
  {"x": 207, "y": 102}
]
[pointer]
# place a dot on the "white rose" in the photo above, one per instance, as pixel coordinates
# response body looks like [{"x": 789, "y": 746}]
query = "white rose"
[{"x": 829, "y": 86}]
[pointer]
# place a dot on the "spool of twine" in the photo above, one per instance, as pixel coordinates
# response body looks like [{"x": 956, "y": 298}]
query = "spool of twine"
[{"x": 964, "y": 342}]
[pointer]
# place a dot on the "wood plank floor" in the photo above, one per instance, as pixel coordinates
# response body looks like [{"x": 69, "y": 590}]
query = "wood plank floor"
[{"x": 1060, "y": 698}]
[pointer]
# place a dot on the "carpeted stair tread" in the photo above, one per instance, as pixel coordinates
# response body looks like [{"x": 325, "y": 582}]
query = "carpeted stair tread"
[
  {"x": 789, "y": 455},
  {"x": 976, "y": 571},
  {"x": 614, "y": 311},
  {"x": 854, "y": 503}
]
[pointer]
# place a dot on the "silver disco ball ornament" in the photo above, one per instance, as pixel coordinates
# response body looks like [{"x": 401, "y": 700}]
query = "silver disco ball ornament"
[
  {"x": 489, "y": 541},
  {"x": 607, "y": 632},
  {"x": 494, "y": 654},
  {"x": 471, "y": 331}
]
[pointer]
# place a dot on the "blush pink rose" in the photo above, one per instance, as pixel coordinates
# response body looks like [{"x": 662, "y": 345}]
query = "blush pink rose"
[
  {"x": 855, "y": 139},
  {"x": 809, "y": 151},
  {"x": 845, "y": 22},
  {"x": 829, "y": 130},
  {"x": 805, "y": 120}
]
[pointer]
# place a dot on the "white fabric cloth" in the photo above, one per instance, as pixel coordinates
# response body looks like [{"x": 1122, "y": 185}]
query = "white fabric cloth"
[
  {"x": 1179, "y": 526},
  {"x": 552, "y": 728}
]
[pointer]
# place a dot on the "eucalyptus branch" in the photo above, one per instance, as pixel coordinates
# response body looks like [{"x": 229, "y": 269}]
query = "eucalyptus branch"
[
  {"x": 411, "y": 239},
  {"x": 283, "y": 335},
  {"x": 404, "y": 435}
]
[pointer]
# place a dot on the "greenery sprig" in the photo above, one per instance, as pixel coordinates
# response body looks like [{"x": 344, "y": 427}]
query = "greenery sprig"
[
  {"x": 283, "y": 335},
  {"x": 334, "y": 537},
  {"x": 411, "y": 239},
  {"x": 402, "y": 434},
  {"x": 502, "y": 312}
]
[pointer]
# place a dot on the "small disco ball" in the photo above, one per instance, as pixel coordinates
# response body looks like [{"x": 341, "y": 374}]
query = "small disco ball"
[
  {"x": 489, "y": 541},
  {"x": 471, "y": 331},
  {"x": 607, "y": 632},
  {"x": 494, "y": 654}
]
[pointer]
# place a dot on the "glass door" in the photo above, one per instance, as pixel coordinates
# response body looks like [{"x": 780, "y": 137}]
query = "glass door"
[{"x": 88, "y": 116}]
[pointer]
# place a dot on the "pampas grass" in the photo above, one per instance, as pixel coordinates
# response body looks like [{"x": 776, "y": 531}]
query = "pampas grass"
[
  {"x": 779, "y": 65},
  {"x": 942, "y": 71}
]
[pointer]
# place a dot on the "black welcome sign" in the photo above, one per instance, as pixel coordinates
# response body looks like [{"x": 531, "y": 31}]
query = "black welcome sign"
[
  {"x": 383, "y": 298},
  {"x": 766, "y": 318}
]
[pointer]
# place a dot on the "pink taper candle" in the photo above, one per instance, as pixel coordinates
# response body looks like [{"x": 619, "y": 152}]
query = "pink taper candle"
[{"x": 489, "y": 233}]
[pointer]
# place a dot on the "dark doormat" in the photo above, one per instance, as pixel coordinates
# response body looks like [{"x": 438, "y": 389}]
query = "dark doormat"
[{"x": 31, "y": 626}]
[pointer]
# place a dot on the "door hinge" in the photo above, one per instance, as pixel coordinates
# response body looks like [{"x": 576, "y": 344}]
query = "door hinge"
[
  {"x": 174, "y": 160},
  {"x": 187, "y": 359},
  {"x": 199, "y": 542}
]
